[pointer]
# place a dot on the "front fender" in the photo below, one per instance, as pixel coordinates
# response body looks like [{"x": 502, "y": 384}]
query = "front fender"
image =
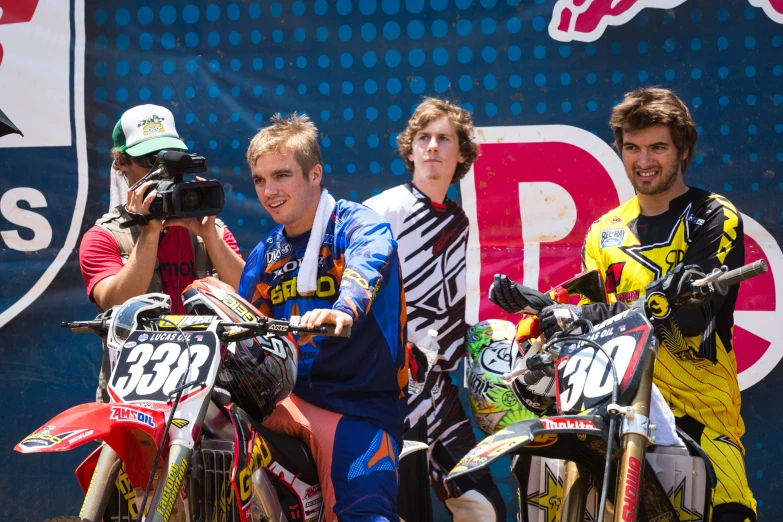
[
  {"x": 134, "y": 432},
  {"x": 529, "y": 433}
]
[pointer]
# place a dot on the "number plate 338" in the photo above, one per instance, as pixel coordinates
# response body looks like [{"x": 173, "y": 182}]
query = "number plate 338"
[{"x": 152, "y": 364}]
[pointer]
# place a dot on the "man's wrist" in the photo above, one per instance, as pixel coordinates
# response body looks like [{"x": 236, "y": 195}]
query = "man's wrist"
[{"x": 152, "y": 229}]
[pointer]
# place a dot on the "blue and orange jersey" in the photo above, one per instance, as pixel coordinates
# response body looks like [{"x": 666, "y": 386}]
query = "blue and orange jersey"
[{"x": 359, "y": 274}]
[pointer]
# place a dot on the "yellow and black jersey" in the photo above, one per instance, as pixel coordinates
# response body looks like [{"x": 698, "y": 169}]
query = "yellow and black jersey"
[{"x": 697, "y": 371}]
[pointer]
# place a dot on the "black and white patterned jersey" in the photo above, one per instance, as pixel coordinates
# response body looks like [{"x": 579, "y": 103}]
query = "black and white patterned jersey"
[{"x": 432, "y": 239}]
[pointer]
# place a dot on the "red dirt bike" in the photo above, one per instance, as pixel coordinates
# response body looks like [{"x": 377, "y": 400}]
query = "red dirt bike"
[
  {"x": 603, "y": 375},
  {"x": 172, "y": 445}
]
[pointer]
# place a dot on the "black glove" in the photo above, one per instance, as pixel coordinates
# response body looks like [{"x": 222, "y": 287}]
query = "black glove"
[
  {"x": 515, "y": 298},
  {"x": 559, "y": 317},
  {"x": 675, "y": 286}
]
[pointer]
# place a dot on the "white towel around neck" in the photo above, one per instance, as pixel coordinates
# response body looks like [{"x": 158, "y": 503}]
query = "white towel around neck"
[{"x": 308, "y": 271}]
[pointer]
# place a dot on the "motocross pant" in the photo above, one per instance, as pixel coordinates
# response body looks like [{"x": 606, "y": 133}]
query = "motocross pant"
[
  {"x": 357, "y": 462},
  {"x": 449, "y": 437},
  {"x": 733, "y": 498}
]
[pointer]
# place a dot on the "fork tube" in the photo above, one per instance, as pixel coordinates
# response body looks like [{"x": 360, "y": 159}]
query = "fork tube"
[
  {"x": 101, "y": 485},
  {"x": 574, "y": 501},
  {"x": 634, "y": 446},
  {"x": 166, "y": 494}
]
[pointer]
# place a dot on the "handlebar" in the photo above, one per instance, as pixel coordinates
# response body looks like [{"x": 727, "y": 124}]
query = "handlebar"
[
  {"x": 94, "y": 326},
  {"x": 736, "y": 276},
  {"x": 278, "y": 326}
]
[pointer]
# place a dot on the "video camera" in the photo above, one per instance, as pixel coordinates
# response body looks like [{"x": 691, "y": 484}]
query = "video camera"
[{"x": 176, "y": 197}]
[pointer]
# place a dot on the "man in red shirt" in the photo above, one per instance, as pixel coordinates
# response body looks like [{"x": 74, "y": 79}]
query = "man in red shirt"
[{"x": 162, "y": 256}]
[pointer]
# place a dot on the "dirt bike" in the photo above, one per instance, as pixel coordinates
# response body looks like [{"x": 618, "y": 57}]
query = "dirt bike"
[
  {"x": 603, "y": 375},
  {"x": 173, "y": 445}
]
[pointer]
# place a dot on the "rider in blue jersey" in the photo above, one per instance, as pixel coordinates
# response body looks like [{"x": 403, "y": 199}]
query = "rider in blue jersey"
[{"x": 332, "y": 263}]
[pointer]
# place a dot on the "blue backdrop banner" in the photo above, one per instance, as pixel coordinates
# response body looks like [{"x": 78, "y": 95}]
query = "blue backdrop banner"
[{"x": 540, "y": 77}]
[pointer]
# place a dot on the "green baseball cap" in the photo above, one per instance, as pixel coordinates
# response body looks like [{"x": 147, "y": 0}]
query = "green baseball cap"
[{"x": 146, "y": 128}]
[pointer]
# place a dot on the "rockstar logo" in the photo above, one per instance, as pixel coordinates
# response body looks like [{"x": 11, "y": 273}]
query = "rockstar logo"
[
  {"x": 548, "y": 500},
  {"x": 659, "y": 258},
  {"x": 677, "y": 497}
]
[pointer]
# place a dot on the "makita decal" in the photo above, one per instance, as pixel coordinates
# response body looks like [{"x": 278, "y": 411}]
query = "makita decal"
[
  {"x": 122, "y": 414},
  {"x": 568, "y": 424}
]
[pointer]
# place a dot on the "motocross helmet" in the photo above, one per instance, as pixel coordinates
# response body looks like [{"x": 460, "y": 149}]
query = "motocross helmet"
[
  {"x": 489, "y": 347},
  {"x": 538, "y": 397},
  {"x": 125, "y": 319},
  {"x": 259, "y": 372}
]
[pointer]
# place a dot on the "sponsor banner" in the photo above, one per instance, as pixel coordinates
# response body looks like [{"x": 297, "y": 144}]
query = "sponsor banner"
[{"x": 530, "y": 224}]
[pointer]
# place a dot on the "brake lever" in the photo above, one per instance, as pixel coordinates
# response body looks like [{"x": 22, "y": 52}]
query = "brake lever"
[{"x": 711, "y": 277}]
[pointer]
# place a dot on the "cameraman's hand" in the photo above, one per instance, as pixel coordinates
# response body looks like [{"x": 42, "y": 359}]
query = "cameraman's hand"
[
  {"x": 140, "y": 204},
  {"x": 203, "y": 226}
]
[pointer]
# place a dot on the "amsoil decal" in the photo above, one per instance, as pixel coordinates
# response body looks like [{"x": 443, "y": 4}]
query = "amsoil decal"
[
  {"x": 529, "y": 223},
  {"x": 586, "y": 20},
  {"x": 123, "y": 414},
  {"x": 40, "y": 214}
]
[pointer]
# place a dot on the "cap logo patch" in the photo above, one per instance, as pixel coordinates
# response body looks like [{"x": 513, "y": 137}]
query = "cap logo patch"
[{"x": 152, "y": 125}]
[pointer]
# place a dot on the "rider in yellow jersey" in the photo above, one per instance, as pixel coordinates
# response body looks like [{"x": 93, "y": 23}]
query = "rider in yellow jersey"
[{"x": 665, "y": 224}]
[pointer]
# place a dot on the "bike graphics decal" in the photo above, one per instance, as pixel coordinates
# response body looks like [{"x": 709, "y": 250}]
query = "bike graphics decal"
[
  {"x": 155, "y": 366},
  {"x": 122, "y": 414},
  {"x": 126, "y": 490},
  {"x": 568, "y": 424},
  {"x": 544, "y": 440},
  {"x": 171, "y": 488},
  {"x": 46, "y": 439},
  {"x": 631, "y": 490},
  {"x": 546, "y": 498}
]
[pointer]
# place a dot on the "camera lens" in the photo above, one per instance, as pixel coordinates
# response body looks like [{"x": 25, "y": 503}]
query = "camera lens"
[{"x": 192, "y": 199}]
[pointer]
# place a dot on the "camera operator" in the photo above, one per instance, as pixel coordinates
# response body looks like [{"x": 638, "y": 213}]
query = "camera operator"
[{"x": 163, "y": 255}]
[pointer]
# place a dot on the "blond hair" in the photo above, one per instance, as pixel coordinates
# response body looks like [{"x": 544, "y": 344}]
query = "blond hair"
[
  {"x": 430, "y": 110},
  {"x": 645, "y": 108},
  {"x": 294, "y": 133}
]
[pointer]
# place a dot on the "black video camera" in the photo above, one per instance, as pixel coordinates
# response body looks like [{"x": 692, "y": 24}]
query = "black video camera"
[{"x": 176, "y": 197}]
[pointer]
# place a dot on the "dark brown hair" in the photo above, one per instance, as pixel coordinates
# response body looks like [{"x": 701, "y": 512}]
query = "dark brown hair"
[
  {"x": 655, "y": 106},
  {"x": 430, "y": 110}
]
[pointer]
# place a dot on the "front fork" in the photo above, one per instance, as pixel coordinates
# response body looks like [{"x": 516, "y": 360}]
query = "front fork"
[
  {"x": 634, "y": 439},
  {"x": 163, "y": 498},
  {"x": 101, "y": 485}
]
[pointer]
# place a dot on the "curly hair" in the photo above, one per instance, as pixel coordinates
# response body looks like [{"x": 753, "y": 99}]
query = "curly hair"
[
  {"x": 295, "y": 133},
  {"x": 430, "y": 110},
  {"x": 652, "y": 106}
]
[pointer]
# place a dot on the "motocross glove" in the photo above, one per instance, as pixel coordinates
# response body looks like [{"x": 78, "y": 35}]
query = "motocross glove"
[
  {"x": 515, "y": 298},
  {"x": 559, "y": 317}
]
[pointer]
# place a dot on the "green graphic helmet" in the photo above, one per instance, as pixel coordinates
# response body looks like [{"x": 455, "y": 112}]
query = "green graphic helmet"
[{"x": 490, "y": 345}]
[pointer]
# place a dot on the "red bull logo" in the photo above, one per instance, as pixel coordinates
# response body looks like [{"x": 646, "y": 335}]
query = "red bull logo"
[
  {"x": 586, "y": 20},
  {"x": 529, "y": 223},
  {"x": 772, "y": 8}
]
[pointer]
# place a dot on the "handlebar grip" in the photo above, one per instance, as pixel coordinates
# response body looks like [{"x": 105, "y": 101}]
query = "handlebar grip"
[
  {"x": 346, "y": 332},
  {"x": 80, "y": 327},
  {"x": 736, "y": 276}
]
